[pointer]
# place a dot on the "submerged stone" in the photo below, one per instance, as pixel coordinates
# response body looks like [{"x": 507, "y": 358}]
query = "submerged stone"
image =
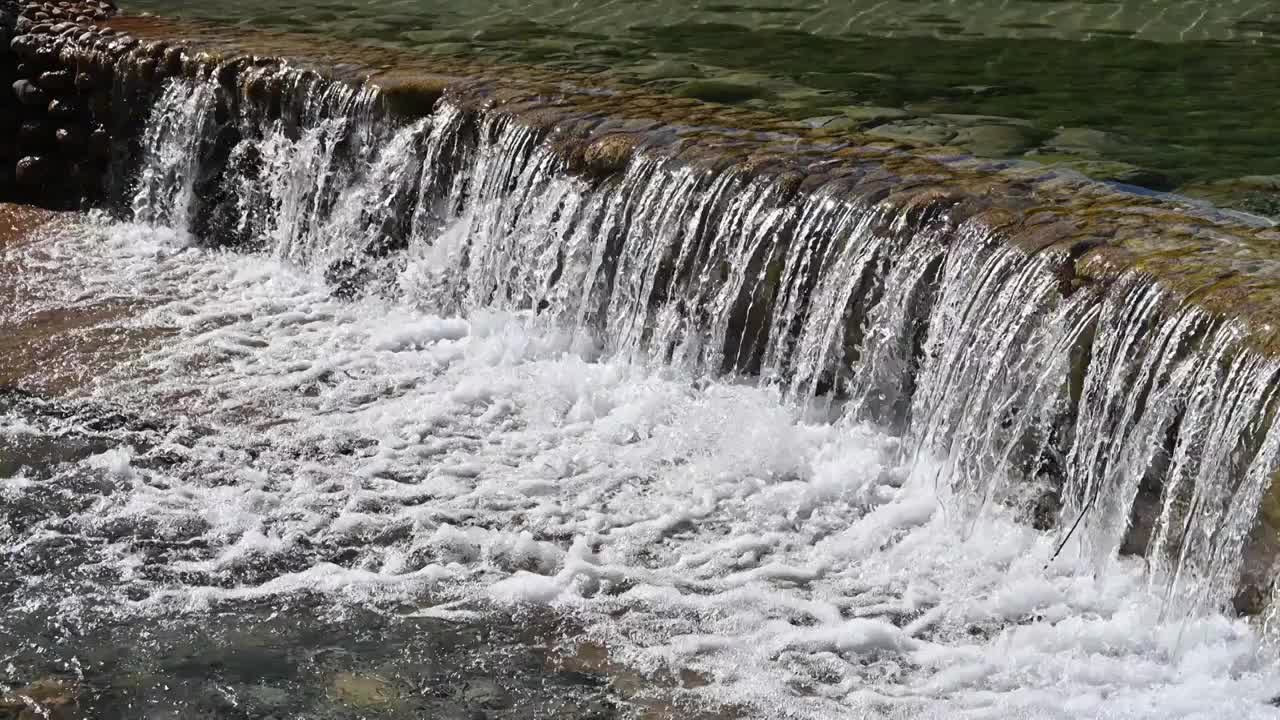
[
  {"x": 1108, "y": 171},
  {"x": 923, "y": 130},
  {"x": 363, "y": 691},
  {"x": 995, "y": 140},
  {"x": 719, "y": 91},
  {"x": 1083, "y": 141}
]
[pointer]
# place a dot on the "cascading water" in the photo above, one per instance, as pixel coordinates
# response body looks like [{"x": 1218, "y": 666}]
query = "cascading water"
[
  {"x": 819, "y": 293},
  {"x": 535, "y": 391}
]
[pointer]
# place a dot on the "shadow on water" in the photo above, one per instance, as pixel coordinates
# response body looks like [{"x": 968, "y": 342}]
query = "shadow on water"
[{"x": 295, "y": 659}]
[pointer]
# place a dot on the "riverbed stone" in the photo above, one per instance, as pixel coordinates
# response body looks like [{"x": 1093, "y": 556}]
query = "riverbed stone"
[
  {"x": 925, "y": 131},
  {"x": 996, "y": 140},
  {"x": 485, "y": 693},
  {"x": 871, "y": 114},
  {"x": 1107, "y": 170},
  {"x": 667, "y": 70},
  {"x": 1254, "y": 194},
  {"x": 363, "y": 690},
  {"x": 1083, "y": 141},
  {"x": 721, "y": 91},
  {"x": 45, "y": 699}
]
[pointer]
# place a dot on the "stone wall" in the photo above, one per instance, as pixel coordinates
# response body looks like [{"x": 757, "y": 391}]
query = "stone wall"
[{"x": 54, "y": 141}]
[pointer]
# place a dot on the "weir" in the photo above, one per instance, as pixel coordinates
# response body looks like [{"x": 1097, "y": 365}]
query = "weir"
[{"x": 1103, "y": 360}]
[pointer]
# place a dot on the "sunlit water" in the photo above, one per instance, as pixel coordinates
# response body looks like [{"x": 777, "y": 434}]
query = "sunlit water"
[{"x": 351, "y": 468}]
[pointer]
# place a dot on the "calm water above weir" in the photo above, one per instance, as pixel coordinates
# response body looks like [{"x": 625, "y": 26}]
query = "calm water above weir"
[{"x": 1159, "y": 93}]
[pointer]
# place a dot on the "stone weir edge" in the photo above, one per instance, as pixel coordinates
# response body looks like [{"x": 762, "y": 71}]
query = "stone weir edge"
[{"x": 1222, "y": 263}]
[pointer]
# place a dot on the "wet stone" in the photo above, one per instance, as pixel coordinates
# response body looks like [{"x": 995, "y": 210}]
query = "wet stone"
[
  {"x": 28, "y": 93},
  {"x": 719, "y": 91},
  {"x": 924, "y": 131},
  {"x": 485, "y": 693},
  {"x": 1083, "y": 141},
  {"x": 868, "y": 114},
  {"x": 32, "y": 170},
  {"x": 995, "y": 140},
  {"x": 55, "y": 80},
  {"x": 44, "y": 699},
  {"x": 62, "y": 108},
  {"x": 363, "y": 691},
  {"x": 70, "y": 139}
]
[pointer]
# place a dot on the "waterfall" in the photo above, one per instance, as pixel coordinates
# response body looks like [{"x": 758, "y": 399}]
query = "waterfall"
[{"x": 1087, "y": 406}]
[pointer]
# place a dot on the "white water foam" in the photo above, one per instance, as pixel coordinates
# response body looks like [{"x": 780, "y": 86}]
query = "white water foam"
[{"x": 374, "y": 453}]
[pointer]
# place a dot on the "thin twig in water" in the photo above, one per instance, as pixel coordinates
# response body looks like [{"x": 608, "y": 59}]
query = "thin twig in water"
[{"x": 1083, "y": 511}]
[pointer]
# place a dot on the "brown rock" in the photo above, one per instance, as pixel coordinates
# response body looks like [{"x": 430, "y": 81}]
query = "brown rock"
[{"x": 610, "y": 153}]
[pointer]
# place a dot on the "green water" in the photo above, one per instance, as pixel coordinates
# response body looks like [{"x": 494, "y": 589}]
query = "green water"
[{"x": 1168, "y": 95}]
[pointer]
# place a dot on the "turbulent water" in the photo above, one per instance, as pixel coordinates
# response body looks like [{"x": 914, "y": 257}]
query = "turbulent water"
[{"x": 794, "y": 446}]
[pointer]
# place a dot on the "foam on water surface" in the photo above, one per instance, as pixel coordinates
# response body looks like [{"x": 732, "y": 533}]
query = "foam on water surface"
[{"x": 377, "y": 455}]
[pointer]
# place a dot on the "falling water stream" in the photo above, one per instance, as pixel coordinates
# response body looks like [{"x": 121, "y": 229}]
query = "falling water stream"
[{"x": 829, "y": 455}]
